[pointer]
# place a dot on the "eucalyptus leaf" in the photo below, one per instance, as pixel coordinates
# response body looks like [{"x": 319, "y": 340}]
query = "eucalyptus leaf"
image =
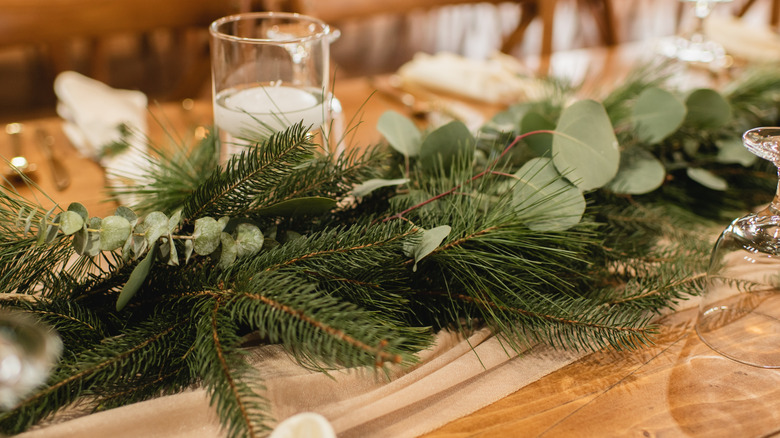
[
  {"x": 136, "y": 279},
  {"x": 732, "y": 150},
  {"x": 114, "y": 231},
  {"x": 585, "y": 148},
  {"x": 173, "y": 254},
  {"x": 28, "y": 221},
  {"x": 42, "y": 230},
  {"x": 174, "y": 221},
  {"x": 369, "y": 186},
  {"x": 93, "y": 236},
  {"x": 249, "y": 240},
  {"x": 70, "y": 222},
  {"x": 52, "y": 229},
  {"x": 229, "y": 251},
  {"x": 189, "y": 247},
  {"x": 80, "y": 210},
  {"x": 127, "y": 248},
  {"x": 707, "y": 109},
  {"x": 80, "y": 239},
  {"x": 155, "y": 225},
  {"x": 545, "y": 200},
  {"x": 205, "y": 237},
  {"x": 640, "y": 172},
  {"x": 707, "y": 178},
  {"x": 310, "y": 205},
  {"x": 507, "y": 120},
  {"x": 139, "y": 242},
  {"x": 430, "y": 240},
  {"x": 541, "y": 143},
  {"x": 445, "y": 143},
  {"x": 400, "y": 132},
  {"x": 657, "y": 114},
  {"x": 223, "y": 222},
  {"x": 164, "y": 250},
  {"x": 126, "y": 213}
]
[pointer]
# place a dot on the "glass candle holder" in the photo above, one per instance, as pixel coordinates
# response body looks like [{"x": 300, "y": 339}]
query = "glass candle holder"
[{"x": 270, "y": 70}]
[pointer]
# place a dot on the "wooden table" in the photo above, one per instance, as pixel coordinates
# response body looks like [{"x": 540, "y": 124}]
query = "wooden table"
[{"x": 676, "y": 388}]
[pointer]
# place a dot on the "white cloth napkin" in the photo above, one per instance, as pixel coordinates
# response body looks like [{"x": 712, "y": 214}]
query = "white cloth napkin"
[
  {"x": 499, "y": 79},
  {"x": 97, "y": 116},
  {"x": 743, "y": 39}
]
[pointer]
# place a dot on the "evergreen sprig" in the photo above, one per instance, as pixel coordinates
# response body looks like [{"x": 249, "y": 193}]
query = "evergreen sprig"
[{"x": 458, "y": 234}]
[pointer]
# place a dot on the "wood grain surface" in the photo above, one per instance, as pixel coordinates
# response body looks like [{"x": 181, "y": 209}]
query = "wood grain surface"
[{"x": 676, "y": 388}]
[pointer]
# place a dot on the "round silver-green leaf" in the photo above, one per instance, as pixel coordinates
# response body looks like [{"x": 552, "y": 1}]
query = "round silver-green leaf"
[
  {"x": 155, "y": 225},
  {"x": 249, "y": 239},
  {"x": 707, "y": 178},
  {"x": 229, "y": 251},
  {"x": 80, "y": 209},
  {"x": 93, "y": 237},
  {"x": 657, "y": 114},
  {"x": 71, "y": 222},
  {"x": 544, "y": 200},
  {"x": 732, "y": 150},
  {"x": 707, "y": 109},
  {"x": 402, "y": 134},
  {"x": 174, "y": 221},
  {"x": 80, "y": 239},
  {"x": 127, "y": 214},
  {"x": 114, "y": 231},
  {"x": 205, "y": 237},
  {"x": 640, "y": 172},
  {"x": 445, "y": 144},
  {"x": 585, "y": 148}
]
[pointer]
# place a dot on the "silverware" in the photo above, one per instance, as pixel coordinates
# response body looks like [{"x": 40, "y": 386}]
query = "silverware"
[
  {"x": 391, "y": 89},
  {"x": 19, "y": 164},
  {"x": 58, "y": 171}
]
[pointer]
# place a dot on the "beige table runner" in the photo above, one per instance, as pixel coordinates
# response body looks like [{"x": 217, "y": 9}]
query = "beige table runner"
[{"x": 454, "y": 379}]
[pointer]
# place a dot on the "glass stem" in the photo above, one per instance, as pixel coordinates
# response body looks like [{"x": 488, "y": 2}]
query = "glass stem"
[
  {"x": 702, "y": 10},
  {"x": 774, "y": 207}
]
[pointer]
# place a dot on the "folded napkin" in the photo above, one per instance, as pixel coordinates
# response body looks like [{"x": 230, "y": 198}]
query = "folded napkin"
[
  {"x": 97, "y": 117},
  {"x": 499, "y": 79},
  {"x": 743, "y": 39}
]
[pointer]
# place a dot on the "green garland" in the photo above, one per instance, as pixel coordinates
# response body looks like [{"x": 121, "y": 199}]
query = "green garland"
[{"x": 571, "y": 225}]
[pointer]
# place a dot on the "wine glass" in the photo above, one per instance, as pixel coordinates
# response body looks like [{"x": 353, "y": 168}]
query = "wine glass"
[
  {"x": 739, "y": 315},
  {"x": 694, "y": 46}
]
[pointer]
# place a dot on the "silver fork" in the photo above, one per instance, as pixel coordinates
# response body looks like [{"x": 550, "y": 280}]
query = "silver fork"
[{"x": 58, "y": 171}]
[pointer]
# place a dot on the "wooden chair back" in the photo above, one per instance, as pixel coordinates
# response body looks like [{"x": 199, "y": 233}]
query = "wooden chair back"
[
  {"x": 48, "y": 30},
  {"x": 530, "y": 10},
  {"x": 47, "y": 21}
]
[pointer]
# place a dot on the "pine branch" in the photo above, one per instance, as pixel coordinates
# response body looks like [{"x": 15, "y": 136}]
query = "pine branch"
[
  {"x": 218, "y": 361},
  {"x": 324, "y": 176},
  {"x": 77, "y": 326},
  {"x": 250, "y": 175},
  {"x": 321, "y": 330},
  {"x": 171, "y": 174},
  {"x": 137, "y": 351}
]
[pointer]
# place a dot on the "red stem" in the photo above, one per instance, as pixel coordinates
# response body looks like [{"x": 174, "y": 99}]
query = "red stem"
[{"x": 473, "y": 178}]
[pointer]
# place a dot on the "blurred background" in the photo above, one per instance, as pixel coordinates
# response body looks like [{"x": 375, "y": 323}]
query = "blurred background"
[{"x": 161, "y": 46}]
